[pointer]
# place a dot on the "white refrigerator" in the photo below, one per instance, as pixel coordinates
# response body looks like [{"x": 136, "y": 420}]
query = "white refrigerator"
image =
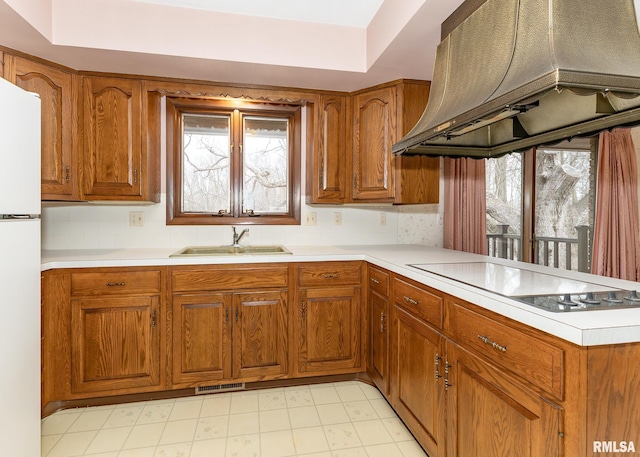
[{"x": 19, "y": 271}]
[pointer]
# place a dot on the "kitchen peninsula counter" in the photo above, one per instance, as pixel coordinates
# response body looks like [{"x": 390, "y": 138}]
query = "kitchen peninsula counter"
[{"x": 583, "y": 328}]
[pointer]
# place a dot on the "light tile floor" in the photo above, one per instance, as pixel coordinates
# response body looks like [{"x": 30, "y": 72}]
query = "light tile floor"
[{"x": 346, "y": 419}]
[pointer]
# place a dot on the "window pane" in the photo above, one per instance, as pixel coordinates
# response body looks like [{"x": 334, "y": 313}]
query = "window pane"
[
  {"x": 504, "y": 206},
  {"x": 206, "y": 164},
  {"x": 564, "y": 207},
  {"x": 265, "y": 165}
]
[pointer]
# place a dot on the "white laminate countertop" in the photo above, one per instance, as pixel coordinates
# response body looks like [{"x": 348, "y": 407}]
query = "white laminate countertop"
[
  {"x": 511, "y": 281},
  {"x": 586, "y": 328}
]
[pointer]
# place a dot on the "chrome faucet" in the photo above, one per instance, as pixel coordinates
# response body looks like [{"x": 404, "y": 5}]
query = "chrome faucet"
[{"x": 236, "y": 237}]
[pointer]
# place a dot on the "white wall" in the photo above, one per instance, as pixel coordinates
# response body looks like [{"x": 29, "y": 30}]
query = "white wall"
[{"x": 92, "y": 226}]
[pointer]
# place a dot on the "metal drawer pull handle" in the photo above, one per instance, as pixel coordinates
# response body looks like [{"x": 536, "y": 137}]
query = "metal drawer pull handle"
[
  {"x": 438, "y": 359},
  {"x": 374, "y": 280},
  {"x": 382, "y": 318},
  {"x": 411, "y": 300},
  {"x": 120, "y": 284},
  {"x": 447, "y": 384},
  {"x": 332, "y": 276},
  {"x": 497, "y": 346}
]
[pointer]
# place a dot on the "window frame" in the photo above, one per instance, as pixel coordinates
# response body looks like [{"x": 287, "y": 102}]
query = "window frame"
[
  {"x": 528, "y": 246},
  {"x": 177, "y": 106}
]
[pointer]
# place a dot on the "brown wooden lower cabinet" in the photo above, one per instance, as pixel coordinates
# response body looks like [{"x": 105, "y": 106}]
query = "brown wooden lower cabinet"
[
  {"x": 417, "y": 379},
  {"x": 490, "y": 414},
  {"x": 378, "y": 367},
  {"x": 484, "y": 385},
  {"x": 229, "y": 324},
  {"x": 455, "y": 403},
  {"x": 329, "y": 330},
  {"x": 201, "y": 338},
  {"x": 465, "y": 380},
  {"x": 115, "y": 343},
  {"x": 102, "y": 332},
  {"x": 379, "y": 327},
  {"x": 330, "y": 325},
  {"x": 229, "y": 336}
]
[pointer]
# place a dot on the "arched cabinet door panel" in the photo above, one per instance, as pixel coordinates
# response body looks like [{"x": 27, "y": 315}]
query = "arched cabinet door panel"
[{"x": 58, "y": 100}]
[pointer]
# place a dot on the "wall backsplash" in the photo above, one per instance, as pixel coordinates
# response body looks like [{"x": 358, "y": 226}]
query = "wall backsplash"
[{"x": 86, "y": 226}]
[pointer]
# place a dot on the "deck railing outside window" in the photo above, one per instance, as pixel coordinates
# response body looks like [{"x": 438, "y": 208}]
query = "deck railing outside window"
[{"x": 566, "y": 253}]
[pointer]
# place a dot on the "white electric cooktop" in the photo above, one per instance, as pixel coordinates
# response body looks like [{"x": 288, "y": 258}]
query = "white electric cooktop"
[{"x": 510, "y": 281}]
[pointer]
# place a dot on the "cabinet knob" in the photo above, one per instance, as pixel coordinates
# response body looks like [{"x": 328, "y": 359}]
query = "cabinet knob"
[{"x": 374, "y": 280}]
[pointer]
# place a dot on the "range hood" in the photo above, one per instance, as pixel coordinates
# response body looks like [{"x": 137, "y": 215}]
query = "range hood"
[{"x": 521, "y": 73}]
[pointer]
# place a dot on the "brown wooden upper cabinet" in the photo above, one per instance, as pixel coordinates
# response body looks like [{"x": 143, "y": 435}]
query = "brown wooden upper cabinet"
[
  {"x": 374, "y": 132},
  {"x": 118, "y": 159},
  {"x": 327, "y": 177},
  {"x": 58, "y": 97},
  {"x": 381, "y": 117},
  {"x": 351, "y": 161}
]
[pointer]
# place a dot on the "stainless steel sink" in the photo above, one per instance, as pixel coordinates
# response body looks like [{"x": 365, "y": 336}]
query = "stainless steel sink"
[{"x": 194, "y": 251}]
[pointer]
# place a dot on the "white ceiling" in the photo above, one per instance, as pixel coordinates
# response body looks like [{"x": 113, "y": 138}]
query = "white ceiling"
[
  {"x": 352, "y": 13},
  {"x": 340, "y": 45}
]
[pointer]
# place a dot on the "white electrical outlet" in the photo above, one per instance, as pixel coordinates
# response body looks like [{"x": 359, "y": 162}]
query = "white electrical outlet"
[
  {"x": 382, "y": 219},
  {"x": 310, "y": 219},
  {"x": 337, "y": 218},
  {"x": 136, "y": 218}
]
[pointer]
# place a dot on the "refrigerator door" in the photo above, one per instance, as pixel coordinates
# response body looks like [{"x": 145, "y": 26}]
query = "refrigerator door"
[
  {"x": 20, "y": 337},
  {"x": 19, "y": 150}
]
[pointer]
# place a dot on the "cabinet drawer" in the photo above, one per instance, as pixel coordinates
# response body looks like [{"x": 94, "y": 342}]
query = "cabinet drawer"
[
  {"x": 115, "y": 283},
  {"x": 330, "y": 274},
  {"x": 379, "y": 281},
  {"x": 228, "y": 278},
  {"x": 530, "y": 358},
  {"x": 418, "y": 301}
]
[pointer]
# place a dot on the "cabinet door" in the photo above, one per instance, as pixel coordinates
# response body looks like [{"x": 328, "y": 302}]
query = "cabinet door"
[
  {"x": 329, "y": 330},
  {"x": 489, "y": 413},
  {"x": 201, "y": 339},
  {"x": 417, "y": 385},
  {"x": 379, "y": 344},
  {"x": 374, "y": 129},
  {"x": 115, "y": 343},
  {"x": 328, "y": 173},
  {"x": 260, "y": 335},
  {"x": 59, "y": 169},
  {"x": 112, "y": 119}
]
